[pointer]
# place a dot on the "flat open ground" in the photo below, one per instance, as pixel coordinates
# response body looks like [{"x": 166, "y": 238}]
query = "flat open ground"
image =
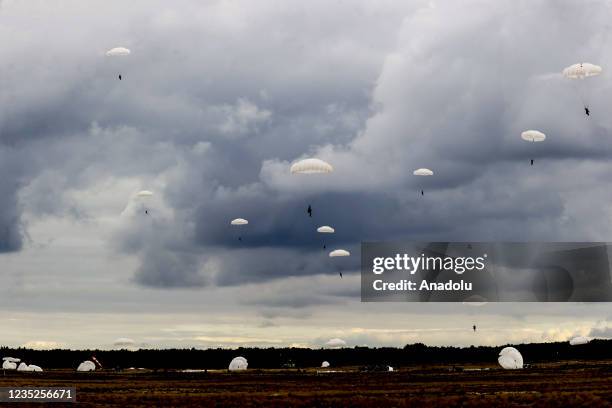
[{"x": 556, "y": 385}]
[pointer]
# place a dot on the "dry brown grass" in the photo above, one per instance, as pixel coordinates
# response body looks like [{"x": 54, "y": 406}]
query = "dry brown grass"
[{"x": 552, "y": 385}]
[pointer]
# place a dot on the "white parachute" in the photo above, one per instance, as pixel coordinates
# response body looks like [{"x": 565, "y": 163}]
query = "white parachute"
[
  {"x": 577, "y": 341},
  {"x": 8, "y": 365},
  {"x": 389, "y": 368},
  {"x": 118, "y": 52},
  {"x": 423, "y": 172},
  {"x": 582, "y": 70},
  {"x": 86, "y": 365},
  {"x": 11, "y": 359},
  {"x": 239, "y": 221},
  {"x": 510, "y": 359},
  {"x": 533, "y": 136},
  {"x": 325, "y": 364},
  {"x": 33, "y": 367},
  {"x": 311, "y": 166},
  {"x": 326, "y": 229},
  {"x": 339, "y": 252},
  {"x": 238, "y": 364}
]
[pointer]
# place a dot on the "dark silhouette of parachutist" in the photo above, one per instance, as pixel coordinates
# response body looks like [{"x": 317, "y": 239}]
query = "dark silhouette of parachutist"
[
  {"x": 474, "y": 327},
  {"x": 324, "y": 246},
  {"x": 532, "y": 162},
  {"x": 340, "y": 275},
  {"x": 422, "y": 192},
  {"x": 146, "y": 211},
  {"x": 120, "y": 77},
  {"x": 309, "y": 211},
  {"x": 239, "y": 238},
  {"x": 587, "y": 111}
]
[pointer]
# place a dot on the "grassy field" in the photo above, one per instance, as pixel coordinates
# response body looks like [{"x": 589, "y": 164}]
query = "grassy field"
[{"x": 551, "y": 385}]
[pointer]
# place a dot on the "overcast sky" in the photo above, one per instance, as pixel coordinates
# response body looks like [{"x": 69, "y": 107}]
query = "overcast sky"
[{"x": 218, "y": 98}]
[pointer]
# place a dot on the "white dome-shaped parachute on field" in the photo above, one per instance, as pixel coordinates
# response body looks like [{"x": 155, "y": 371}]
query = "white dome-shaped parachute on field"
[
  {"x": 510, "y": 359},
  {"x": 582, "y": 71},
  {"x": 238, "y": 364},
  {"x": 577, "y": 341},
  {"x": 533, "y": 136},
  {"x": 35, "y": 368},
  {"x": 118, "y": 52},
  {"x": 311, "y": 166},
  {"x": 326, "y": 229},
  {"x": 9, "y": 365},
  {"x": 325, "y": 364},
  {"x": 339, "y": 252},
  {"x": 239, "y": 221},
  {"x": 11, "y": 359},
  {"x": 389, "y": 368},
  {"x": 86, "y": 365}
]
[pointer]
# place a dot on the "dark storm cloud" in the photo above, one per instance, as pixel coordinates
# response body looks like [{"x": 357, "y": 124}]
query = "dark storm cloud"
[{"x": 217, "y": 100}]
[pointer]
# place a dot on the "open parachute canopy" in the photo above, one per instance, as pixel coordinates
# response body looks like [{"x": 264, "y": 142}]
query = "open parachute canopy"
[
  {"x": 238, "y": 364},
  {"x": 325, "y": 364},
  {"x": 117, "y": 52},
  {"x": 239, "y": 221},
  {"x": 581, "y": 70},
  {"x": 144, "y": 193},
  {"x": 423, "y": 172},
  {"x": 339, "y": 252},
  {"x": 510, "y": 359},
  {"x": 533, "y": 136},
  {"x": 326, "y": 229},
  {"x": 311, "y": 166}
]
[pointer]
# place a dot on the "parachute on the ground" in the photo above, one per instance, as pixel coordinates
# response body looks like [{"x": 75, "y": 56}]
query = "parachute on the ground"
[
  {"x": 582, "y": 70},
  {"x": 35, "y": 368},
  {"x": 118, "y": 52},
  {"x": 11, "y": 359},
  {"x": 423, "y": 172},
  {"x": 339, "y": 252},
  {"x": 9, "y": 365},
  {"x": 86, "y": 365},
  {"x": 533, "y": 136},
  {"x": 576, "y": 341},
  {"x": 238, "y": 364},
  {"x": 389, "y": 368},
  {"x": 311, "y": 166},
  {"x": 239, "y": 221},
  {"x": 326, "y": 229},
  {"x": 510, "y": 359},
  {"x": 325, "y": 364}
]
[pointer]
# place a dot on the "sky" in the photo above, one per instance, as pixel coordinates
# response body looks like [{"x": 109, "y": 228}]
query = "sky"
[{"x": 218, "y": 98}]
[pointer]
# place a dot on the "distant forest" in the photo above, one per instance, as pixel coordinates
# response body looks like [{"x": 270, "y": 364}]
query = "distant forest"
[{"x": 410, "y": 355}]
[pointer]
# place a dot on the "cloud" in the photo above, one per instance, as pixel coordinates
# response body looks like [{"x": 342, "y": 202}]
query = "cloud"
[
  {"x": 42, "y": 345},
  {"x": 124, "y": 342}
]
